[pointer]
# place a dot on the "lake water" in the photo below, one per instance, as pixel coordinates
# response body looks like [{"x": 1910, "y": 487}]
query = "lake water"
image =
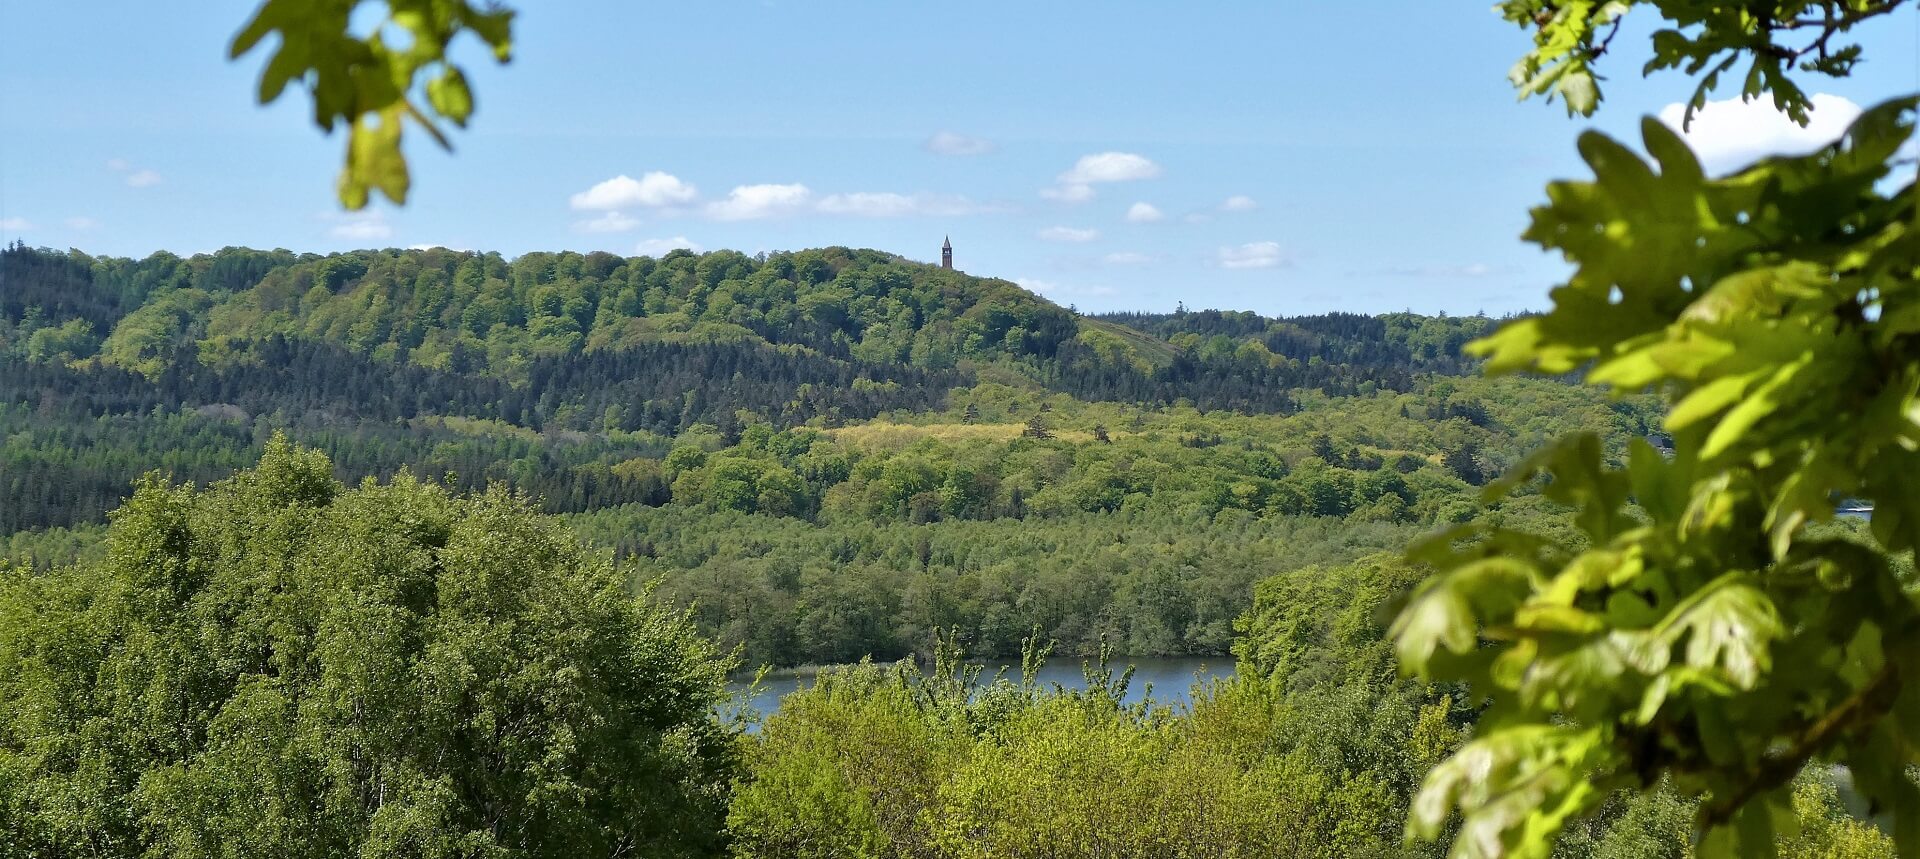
[{"x": 1171, "y": 679}]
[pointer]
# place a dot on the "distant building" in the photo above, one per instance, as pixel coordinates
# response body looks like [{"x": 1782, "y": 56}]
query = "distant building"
[{"x": 946, "y": 253}]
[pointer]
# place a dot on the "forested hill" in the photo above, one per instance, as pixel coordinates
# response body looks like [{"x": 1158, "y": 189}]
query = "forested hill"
[
  {"x": 556, "y": 318},
  {"x": 549, "y": 369},
  {"x": 1389, "y": 343},
  {"x": 830, "y": 452}
]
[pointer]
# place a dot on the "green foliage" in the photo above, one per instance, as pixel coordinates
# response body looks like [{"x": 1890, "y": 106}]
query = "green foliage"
[
  {"x": 888, "y": 762},
  {"x": 1776, "y": 38},
  {"x": 847, "y": 768},
  {"x": 789, "y": 592},
  {"x": 367, "y": 79},
  {"x": 144, "y": 340},
  {"x": 69, "y": 341},
  {"x": 1314, "y": 749},
  {"x": 1700, "y": 631},
  {"x": 278, "y": 665}
]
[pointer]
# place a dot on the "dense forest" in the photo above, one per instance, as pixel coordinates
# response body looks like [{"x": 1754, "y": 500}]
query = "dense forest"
[
  {"x": 282, "y": 665},
  {"x": 441, "y": 554},
  {"x": 429, "y": 358},
  {"x": 828, "y": 454},
  {"x": 348, "y": 477}
]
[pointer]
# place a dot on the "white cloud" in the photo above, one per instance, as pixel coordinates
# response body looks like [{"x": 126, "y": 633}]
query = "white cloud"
[
  {"x": 608, "y": 222},
  {"x": 1110, "y": 167},
  {"x": 1731, "y": 134},
  {"x": 439, "y": 248},
  {"x": 659, "y": 247},
  {"x": 1076, "y": 185},
  {"x": 1239, "y": 203},
  {"x": 362, "y": 227},
  {"x": 885, "y": 204},
  {"x": 654, "y": 190},
  {"x": 15, "y": 224},
  {"x": 869, "y": 204},
  {"x": 1145, "y": 213},
  {"x": 1252, "y": 255},
  {"x": 1127, "y": 258},
  {"x": 81, "y": 222},
  {"x": 141, "y": 178},
  {"x": 748, "y": 202},
  {"x": 955, "y": 143},
  {"x": 1068, "y": 234},
  {"x": 1072, "y": 193}
]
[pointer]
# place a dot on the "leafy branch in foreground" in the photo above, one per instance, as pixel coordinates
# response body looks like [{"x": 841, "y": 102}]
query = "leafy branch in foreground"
[
  {"x": 369, "y": 82},
  {"x": 1778, "y": 36},
  {"x": 1704, "y": 632}
]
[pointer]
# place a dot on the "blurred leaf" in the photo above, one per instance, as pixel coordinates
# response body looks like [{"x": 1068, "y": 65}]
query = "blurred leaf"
[{"x": 369, "y": 86}]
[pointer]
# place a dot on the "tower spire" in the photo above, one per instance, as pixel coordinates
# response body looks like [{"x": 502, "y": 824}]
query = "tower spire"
[{"x": 946, "y": 253}]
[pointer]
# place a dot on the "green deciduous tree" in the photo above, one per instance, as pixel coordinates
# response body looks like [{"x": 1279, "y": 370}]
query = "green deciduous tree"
[
  {"x": 281, "y": 666},
  {"x": 1702, "y": 631}
]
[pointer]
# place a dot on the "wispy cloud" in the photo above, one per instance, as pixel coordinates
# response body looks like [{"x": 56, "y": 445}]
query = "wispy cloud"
[
  {"x": 655, "y": 189},
  {"x": 1144, "y": 213},
  {"x": 1055, "y": 289},
  {"x": 81, "y": 222},
  {"x": 955, "y": 143},
  {"x": 659, "y": 247},
  {"x": 1448, "y": 270},
  {"x": 1252, "y": 255},
  {"x": 15, "y": 224},
  {"x": 1128, "y": 258},
  {"x": 1239, "y": 203},
  {"x": 1110, "y": 167},
  {"x": 886, "y": 204},
  {"x": 1068, "y": 234},
  {"x": 1076, "y": 185},
  {"x": 752, "y": 202},
  {"x": 610, "y": 221},
  {"x": 1068, "y": 193},
  {"x": 135, "y": 178},
  {"x": 362, "y": 227}
]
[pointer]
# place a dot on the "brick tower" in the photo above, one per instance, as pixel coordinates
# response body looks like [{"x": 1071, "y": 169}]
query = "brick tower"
[{"x": 946, "y": 253}]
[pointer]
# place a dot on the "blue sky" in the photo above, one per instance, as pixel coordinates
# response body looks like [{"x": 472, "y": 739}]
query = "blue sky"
[{"x": 1291, "y": 157}]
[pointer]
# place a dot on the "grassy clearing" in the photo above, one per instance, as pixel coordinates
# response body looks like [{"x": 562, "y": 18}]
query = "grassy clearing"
[{"x": 892, "y": 436}]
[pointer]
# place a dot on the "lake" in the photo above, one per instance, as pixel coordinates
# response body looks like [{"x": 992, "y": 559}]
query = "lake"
[{"x": 1171, "y": 679}]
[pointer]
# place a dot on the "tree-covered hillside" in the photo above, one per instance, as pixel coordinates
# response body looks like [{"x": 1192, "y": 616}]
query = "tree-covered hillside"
[
  {"x": 548, "y": 370},
  {"x": 828, "y": 454}
]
